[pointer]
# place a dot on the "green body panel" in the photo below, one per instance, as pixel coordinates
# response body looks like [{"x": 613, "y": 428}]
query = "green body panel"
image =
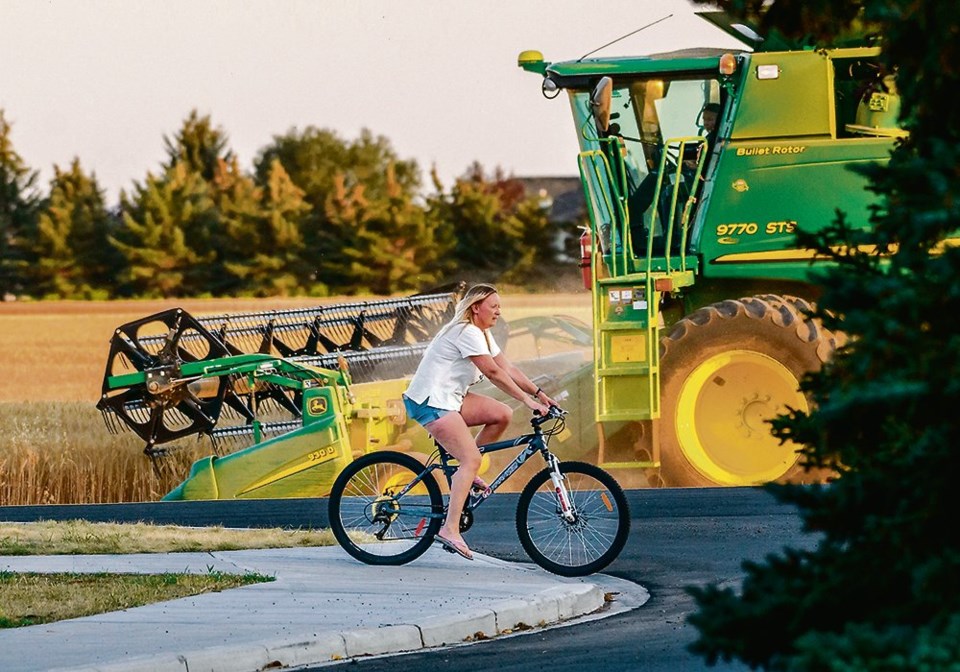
[
  {"x": 761, "y": 191},
  {"x": 795, "y": 104},
  {"x": 300, "y": 463}
]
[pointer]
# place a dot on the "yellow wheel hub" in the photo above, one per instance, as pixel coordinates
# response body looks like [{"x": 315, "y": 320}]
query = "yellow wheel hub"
[{"x": 722, "y": 414}]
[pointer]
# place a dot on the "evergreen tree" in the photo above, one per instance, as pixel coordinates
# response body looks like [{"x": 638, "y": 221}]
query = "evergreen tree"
[
  {"x": 237, "y": 201},
  {"x": 285, "y": 212},
  {"x": 388, "y": 245},
  {"x": 481, "y": 213},
  {"x": 73, "y": 256},
  {"x": 19, "y": 204},
  {"x": 882, "y": 589},
  {"x": 316, "y": 158},
  {"x": 168, "y": 239},
  {"x": 199, "y": 145},
  {"x": 263, "y": 243},
  {"x": 319, "y": 162},
  {"x": 537, "y": 249}
]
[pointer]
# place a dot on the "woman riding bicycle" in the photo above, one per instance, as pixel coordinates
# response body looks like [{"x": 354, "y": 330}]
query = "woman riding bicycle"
[{"x": 438, "y": 397}]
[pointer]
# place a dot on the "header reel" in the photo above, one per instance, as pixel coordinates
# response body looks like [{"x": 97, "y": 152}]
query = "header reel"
[{"x": 172, "y": 375}]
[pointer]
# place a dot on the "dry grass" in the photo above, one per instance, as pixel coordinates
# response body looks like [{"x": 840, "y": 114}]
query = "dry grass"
[
  {"x": 61, "y": 453},
  {"x": 54, "y": 448}
]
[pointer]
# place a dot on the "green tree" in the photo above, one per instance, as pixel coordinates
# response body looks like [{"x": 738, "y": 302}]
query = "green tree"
[
  {"x": 19, "y": 204},
  {"x": 316, "y": 158},
  {"x": 73, "y": 256},
  {"x": 537, "y": 250},
  {"x": 263, "y": 245},
  {"x": 481, "y": 214},
  {"x": 198, "y": 144},
  {"x": 881, "y": 591},
  {"x": 317, "y": 161},
  {"x": 388, "y": 246},
  {"x": 168, "y": 239}
]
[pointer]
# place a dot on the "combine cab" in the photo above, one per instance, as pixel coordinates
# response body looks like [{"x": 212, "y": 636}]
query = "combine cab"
[
  {"x": 699, "y": 167},
  {"x": 288, "y": 398}
]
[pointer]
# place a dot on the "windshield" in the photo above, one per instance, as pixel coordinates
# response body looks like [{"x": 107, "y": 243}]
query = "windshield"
[{"x": 651, "y": 117}]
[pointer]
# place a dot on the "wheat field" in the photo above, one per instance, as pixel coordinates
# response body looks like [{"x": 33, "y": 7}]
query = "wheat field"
[{"x": 54, "y": 447}]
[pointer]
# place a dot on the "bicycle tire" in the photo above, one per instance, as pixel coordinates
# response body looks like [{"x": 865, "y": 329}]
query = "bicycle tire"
[
  {"x": 374, "y": 526},
  {"x": 593, "y": 540}
]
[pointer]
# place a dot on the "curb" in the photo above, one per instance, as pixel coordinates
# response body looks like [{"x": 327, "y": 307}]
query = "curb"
[{"x": 548, "y": 607}]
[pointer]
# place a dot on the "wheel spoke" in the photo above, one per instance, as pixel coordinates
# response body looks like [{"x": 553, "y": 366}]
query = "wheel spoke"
[
  {"x": 595, "y": 535},
  {"x": 371, "y": 521}
]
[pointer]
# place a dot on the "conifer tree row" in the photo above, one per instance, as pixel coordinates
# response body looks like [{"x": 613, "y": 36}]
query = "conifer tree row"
[{"x": 316, "y": 214}]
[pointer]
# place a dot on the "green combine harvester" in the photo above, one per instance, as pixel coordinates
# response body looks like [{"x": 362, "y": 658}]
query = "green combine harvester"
[
  {"x": 698, "y": 168},
  {"x": 289, "y": 398}
]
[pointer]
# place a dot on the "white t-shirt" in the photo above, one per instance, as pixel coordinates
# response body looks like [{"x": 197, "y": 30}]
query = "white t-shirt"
[{"x": 446, "y": 370}]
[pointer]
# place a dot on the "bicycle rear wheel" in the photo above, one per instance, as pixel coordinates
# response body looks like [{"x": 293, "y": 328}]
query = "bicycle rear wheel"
[
  {"x": 596, "y": 535},
  {"x": 376, "y": 518}
]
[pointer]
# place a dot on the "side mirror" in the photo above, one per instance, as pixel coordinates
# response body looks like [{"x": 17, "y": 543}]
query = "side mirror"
[{"x": 600, "y": 101}]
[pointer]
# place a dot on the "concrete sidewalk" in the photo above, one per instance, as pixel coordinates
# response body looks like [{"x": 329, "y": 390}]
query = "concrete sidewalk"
[{"x": 323, "y": 607}]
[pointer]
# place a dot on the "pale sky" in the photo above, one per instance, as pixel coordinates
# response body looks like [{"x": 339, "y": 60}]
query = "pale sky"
[{"x": 105, "y": 80}]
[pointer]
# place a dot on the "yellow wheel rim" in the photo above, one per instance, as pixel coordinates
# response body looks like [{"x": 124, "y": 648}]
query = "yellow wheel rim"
[{"x": 721, "y": 417}]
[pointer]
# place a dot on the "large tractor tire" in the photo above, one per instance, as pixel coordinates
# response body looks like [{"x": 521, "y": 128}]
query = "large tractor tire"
[{"x": 726, "y": 369}]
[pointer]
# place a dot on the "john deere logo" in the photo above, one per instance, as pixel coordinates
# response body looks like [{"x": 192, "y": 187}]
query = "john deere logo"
[{"x": 317, "y": 406}]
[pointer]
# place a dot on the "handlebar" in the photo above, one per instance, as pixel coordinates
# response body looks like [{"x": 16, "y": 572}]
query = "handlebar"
[{"x": 553, "y": 413}]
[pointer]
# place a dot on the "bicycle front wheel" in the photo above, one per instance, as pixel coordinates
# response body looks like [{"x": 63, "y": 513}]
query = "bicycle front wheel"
[
  {"x": 377, "y": 516},
  {"x": 595, "y": 536}
]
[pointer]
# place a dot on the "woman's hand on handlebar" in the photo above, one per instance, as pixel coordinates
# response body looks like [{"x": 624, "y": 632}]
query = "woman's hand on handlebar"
[
  {"x": 536, "y": 406},
  {"x": 545, "y": 398}
]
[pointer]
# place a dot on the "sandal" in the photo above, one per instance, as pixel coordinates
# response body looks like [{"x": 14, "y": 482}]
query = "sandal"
[
  {"x": 453, "y": 547},
  {"x": 480, "y": 485}
]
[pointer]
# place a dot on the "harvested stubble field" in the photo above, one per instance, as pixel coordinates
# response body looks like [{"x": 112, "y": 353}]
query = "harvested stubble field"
[{"x": 54, "y": 447}]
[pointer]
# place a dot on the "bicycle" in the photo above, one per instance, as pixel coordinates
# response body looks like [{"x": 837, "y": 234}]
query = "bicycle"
[{"x": 572, "y": 518}]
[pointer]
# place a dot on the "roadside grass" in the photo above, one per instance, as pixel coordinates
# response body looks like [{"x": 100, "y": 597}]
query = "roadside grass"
[
  {"x": 34, "y": 598},
  {"x": 80, "y": 537}
]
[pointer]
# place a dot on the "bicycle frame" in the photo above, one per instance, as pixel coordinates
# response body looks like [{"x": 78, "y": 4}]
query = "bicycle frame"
[{"x": 535, "y": 442}]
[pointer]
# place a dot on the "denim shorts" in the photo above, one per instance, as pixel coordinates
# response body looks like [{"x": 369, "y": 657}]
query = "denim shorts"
[{"x": 423, "y": 412}]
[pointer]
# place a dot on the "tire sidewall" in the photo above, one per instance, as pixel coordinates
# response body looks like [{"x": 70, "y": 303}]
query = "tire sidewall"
[
  {"x": 623, "y": 511},
  {"x": 336, "y": 493},
  {"x": 710, "y": 332}
]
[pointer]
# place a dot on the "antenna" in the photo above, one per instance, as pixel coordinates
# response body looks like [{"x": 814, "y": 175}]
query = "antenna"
[{"x": 622, "y": 37}]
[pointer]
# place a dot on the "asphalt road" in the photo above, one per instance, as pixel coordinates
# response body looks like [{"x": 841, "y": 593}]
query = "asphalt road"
[{"x": 679, "y": 537}]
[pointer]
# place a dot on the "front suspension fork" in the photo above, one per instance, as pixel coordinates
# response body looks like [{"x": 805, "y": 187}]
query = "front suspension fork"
[{"x": 560, "y": 489}]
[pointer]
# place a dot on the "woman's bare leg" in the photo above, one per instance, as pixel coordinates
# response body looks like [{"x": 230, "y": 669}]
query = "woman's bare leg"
[
  {"x": 452, "y": 433},
  {"x": 494, "y": 416}
]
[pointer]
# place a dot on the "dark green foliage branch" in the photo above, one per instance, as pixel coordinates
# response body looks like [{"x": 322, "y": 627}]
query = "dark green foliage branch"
[
  {"x": 168, "y": 237},
  {"x": 481, "y": 214},
  {"x": 19, "y": 204},
  {"x": 74, "y": 258},
  {"x": 882, "y": 589},
  {"x": 199, "y": 144}
]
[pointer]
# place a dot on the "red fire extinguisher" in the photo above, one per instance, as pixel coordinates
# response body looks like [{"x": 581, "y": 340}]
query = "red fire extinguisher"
[{"x": 586, "y": 249}]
